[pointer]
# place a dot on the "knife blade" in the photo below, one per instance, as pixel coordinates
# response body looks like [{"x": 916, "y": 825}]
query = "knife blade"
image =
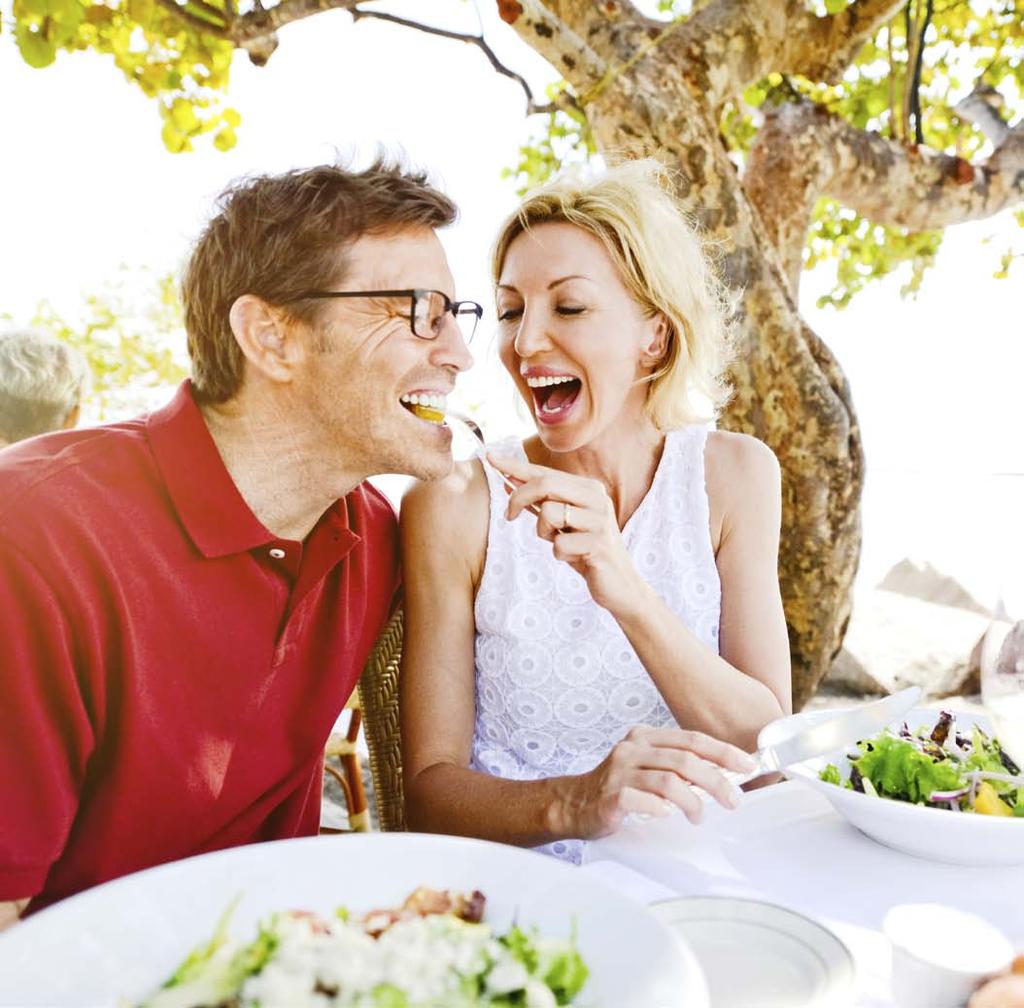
[{"x": 842, "y": 728}]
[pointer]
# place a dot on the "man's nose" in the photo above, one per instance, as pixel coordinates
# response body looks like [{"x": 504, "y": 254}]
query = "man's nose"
[{"x": 450, "y": 349}]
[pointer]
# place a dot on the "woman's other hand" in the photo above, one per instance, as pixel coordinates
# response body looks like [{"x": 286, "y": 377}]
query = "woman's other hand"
[
  {"x": 651, "y": 771},
  {"x": 577, "y": 517}
]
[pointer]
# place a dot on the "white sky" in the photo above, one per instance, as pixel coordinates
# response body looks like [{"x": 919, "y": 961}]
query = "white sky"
[{"x": 88, "y": 186}]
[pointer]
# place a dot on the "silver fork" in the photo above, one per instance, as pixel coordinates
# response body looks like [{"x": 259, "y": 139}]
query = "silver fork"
[{"x": 474, "y": 429}]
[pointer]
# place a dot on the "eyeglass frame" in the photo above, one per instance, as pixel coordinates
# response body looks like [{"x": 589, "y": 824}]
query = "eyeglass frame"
[{"x": 413, "y": 293}]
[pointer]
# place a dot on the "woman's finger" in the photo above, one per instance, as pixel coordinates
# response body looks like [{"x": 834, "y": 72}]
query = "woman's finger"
[
  {"x": 633, "y": 800},
  {"x": 708, "y": 747},
  {"x": 571, "y": 546},
  {"x": 519, "y": 469},
  {"x": 670, "y": 787},
  {"x": 689, "y": 768}
]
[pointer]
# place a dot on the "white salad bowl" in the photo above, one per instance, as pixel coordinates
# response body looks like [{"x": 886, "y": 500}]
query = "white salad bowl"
[
  {"x": 938, "y": 834},
  {"x": 116, "y": 943}
]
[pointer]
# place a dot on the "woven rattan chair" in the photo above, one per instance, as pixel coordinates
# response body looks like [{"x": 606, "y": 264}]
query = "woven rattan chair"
[
  {"x": 341, "y": 746},
  {"x": 378, "y": 696}
]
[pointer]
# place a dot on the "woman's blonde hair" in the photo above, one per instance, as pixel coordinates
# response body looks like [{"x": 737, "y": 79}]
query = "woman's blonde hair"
[{"x": 664, "y": 264}]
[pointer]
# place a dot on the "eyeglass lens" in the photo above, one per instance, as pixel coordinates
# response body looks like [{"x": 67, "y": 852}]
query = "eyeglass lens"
[{"x": 430, "y": 317}]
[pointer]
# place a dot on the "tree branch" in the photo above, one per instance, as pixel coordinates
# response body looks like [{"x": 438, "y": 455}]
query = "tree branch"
[
  {"x": 981, "y": 107},
  {"x": 263, "y": 22},
  {"x": 887, "y": 183},
  {"x": 831, "y": 44},
  {"x": 555, "y": 39},
  {"x": 358, "y": 13},
  {"x": 735, "y": 42}
]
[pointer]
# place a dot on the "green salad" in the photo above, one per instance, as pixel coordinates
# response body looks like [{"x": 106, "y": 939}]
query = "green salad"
[
  {"x": 940, "y": 767},
  {"x": 434, "y": 951}
]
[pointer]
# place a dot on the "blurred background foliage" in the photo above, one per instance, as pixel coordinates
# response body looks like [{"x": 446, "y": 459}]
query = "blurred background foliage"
[{"x": 126, "y": 332}]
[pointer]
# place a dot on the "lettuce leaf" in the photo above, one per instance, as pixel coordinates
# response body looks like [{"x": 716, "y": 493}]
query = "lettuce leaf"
[{"x": 897, "y": 769}]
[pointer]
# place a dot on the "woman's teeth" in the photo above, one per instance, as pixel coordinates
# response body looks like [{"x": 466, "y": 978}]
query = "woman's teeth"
[
  {"x": 545, "y": 380},
  {"x": 426, "y": 406}
]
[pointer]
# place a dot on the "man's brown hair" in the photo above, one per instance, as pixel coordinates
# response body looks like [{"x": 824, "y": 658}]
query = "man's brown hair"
[{"x": 277, "y": 236}]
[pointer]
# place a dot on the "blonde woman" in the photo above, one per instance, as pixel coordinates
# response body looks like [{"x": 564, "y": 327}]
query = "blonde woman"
[{"x": 610, "y": 633}]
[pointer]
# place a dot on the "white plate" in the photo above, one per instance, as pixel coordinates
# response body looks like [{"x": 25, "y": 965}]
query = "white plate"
[
  {"x": 938, "y": 834},
  {"x": 124, "y": 938},
  {"x": 758, "y": 955}
]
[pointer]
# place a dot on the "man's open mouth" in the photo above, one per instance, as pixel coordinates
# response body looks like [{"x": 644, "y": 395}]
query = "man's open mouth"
[
  {"x": 553, "y": 395},
  {"x": 428, "y": 406}
]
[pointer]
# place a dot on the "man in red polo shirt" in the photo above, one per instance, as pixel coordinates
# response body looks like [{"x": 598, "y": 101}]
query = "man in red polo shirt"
[{"x": 187, "y": 599}]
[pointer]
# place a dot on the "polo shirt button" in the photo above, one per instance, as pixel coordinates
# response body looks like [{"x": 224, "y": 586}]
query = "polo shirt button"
[{"x": 277, "y": 554}]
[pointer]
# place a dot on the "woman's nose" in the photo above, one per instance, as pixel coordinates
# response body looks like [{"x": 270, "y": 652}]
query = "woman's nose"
[{"x": 531, "y": 336}]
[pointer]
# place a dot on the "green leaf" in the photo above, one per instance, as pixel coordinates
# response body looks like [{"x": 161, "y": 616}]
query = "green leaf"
[
  {"x": 184, "y": 117},
  {"x": 174, "y": 140},
  {"x": 36, "y": 50},
  {"x": 899, "y": 770}
]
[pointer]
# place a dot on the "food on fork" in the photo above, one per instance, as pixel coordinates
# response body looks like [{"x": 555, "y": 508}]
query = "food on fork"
[
  {"x": 940, "y": 768},
  {"x": 427, "y": 413},
  {"x": 433, "y": 951},
  {"x": 429, "y": 406}
]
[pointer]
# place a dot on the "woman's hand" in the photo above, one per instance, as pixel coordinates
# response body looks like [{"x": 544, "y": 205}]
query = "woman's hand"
[
  {"x": 651, "y": 772},
  {"x": 577, "y": 517}
]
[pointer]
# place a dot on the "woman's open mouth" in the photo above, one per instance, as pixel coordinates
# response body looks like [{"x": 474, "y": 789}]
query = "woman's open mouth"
[{"x": 553, "y": 396}]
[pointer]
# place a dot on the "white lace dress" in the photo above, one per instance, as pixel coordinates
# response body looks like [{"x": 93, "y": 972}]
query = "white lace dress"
[{"x": 557, "y": 682}]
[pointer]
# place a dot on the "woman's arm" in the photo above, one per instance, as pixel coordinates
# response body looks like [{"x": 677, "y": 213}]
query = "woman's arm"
[
  {"x": 444, "y": 534},
  {"x": 731, "y": 695},
  {"x": 444, "y": 540}
]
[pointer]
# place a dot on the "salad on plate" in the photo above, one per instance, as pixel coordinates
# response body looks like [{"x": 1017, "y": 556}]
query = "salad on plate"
[
  {"x": 434, "y": 951},
  {"x": 940, "y": 767}
]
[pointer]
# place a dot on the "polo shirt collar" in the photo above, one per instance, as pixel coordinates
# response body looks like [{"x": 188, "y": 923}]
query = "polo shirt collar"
[{"x": 209, "y": 505}]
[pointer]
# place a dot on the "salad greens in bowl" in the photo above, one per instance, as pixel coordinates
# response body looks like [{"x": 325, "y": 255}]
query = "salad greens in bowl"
[
  {"x": 937, "y": 785},
  {"x": 434, "y": 951},
  {"x": 940, "y": 766}
]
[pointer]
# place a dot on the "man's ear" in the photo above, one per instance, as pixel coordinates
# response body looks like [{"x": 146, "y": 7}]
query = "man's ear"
[
  {"x": 657, "y": 345},
  {"x": 267, "y": 339}
]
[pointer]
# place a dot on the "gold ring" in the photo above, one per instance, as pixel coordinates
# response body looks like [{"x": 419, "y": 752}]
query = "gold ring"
[{"x": 566, "y": 524}]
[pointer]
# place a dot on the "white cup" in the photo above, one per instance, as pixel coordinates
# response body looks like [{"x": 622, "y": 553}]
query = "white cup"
[{"x": 940, "y": 954}]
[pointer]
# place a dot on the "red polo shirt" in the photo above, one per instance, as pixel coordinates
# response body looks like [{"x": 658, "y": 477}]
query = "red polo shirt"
[{"x": 169, "y": 671}]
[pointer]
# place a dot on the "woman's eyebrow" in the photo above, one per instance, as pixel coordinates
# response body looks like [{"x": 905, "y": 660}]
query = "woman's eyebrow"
[
  {"x": 571, "y": 276},
  {"x": 552, "y": 285}
]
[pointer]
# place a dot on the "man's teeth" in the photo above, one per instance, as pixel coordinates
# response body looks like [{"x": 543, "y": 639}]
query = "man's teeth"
[
  {"x": 545, "y": 380},
  {"x": 437, "y": 402}
]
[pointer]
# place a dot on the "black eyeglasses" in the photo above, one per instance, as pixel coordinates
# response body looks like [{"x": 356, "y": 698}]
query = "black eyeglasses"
[{"x": 427, "y": 309}]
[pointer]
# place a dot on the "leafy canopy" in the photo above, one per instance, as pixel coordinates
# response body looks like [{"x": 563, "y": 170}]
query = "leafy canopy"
[{"x": 180, "y": 54}]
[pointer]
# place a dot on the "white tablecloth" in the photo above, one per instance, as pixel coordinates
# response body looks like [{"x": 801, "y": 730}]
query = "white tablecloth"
[{"x": 787, "y": 845}]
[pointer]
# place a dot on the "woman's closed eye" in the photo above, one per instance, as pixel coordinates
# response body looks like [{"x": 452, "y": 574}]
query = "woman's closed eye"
[{"x": 565, "y": 311}]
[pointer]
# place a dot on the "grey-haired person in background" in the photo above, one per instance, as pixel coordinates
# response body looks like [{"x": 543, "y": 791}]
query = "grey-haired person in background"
[{"x": 42, "y": 382}]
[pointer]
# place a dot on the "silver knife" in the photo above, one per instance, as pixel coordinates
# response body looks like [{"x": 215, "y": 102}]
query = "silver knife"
[{"x": 842, "y": 728}]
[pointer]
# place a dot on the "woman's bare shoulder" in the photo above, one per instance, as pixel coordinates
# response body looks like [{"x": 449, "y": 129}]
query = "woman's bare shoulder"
[
  {"x": 449, "y": 514},
  {"x": 738, "y": 459},
  {"x": 741, "y": 474}
]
